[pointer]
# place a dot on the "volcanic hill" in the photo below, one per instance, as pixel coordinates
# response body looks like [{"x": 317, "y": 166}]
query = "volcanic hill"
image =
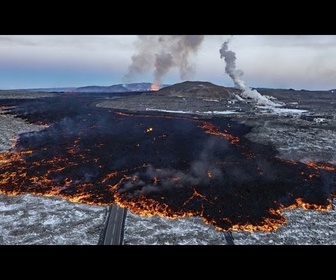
[
  {"x": 198, "y": 89},
  {"x": 188, "y": 97}
]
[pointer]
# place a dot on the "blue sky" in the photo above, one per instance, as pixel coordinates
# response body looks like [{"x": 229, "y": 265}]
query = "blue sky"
[{"x": 275, "y": 61}]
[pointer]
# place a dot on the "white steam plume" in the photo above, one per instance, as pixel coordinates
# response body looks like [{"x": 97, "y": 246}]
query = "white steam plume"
[
  {"x": 237, "y": 74},
  {"x": 161, "y": 53}
]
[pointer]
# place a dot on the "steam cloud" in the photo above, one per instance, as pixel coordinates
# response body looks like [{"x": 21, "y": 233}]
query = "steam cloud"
[
  {"x": 237, "y": 74},
  {"x": 164, "y": 52}
]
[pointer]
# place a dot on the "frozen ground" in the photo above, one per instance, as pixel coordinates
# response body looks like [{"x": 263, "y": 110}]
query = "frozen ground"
[{"x": 28, "y": 219}]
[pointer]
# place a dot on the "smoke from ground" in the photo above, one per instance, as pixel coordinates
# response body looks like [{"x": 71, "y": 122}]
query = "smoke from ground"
[
  {"x": 202, "y": 171},
  {"x": 161, "y": 53},
  {"x": 237, "y": 74}
]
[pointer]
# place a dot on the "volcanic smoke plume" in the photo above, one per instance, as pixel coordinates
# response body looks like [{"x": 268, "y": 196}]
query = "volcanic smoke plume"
[
  {"x": 237, "y": 74},
  {"x": 164, "y": 52}
]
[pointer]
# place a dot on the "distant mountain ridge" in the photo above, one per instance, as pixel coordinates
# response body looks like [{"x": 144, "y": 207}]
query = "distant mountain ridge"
[
  {"x": 186, "y": 88},
  {"x": 101, "y": 89},
  {"x": 117, "y": 88}
]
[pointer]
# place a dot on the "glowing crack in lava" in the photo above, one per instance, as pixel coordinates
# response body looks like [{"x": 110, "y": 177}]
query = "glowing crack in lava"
[{"x": 157, "y": 164}]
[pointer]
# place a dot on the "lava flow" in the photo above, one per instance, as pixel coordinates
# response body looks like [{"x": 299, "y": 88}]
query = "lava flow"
[{"x": 171, "y": 167}]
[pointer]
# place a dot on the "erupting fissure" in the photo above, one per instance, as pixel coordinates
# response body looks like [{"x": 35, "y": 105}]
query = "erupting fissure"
[{"x": 155, "y": 87}]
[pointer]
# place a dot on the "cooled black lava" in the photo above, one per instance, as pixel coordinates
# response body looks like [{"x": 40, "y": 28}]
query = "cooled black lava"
[{"x": 156, "y": 164}]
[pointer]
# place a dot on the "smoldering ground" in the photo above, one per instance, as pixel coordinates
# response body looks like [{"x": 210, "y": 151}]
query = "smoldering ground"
[{"x": 158, "y": 165}]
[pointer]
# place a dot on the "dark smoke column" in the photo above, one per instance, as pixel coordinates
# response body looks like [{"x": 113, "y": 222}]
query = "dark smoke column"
[
  {"x": 161, "y": 53},
  {"x": 237, "y": 74}
]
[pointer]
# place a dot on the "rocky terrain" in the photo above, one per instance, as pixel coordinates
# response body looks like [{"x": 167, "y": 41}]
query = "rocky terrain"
[{"x": 291, "y": 133}]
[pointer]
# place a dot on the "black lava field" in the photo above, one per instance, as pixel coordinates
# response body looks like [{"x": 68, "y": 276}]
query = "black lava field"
[{"x": 168, "y": 165}]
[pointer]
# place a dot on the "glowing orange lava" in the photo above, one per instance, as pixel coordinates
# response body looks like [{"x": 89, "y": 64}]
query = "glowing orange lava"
[
  {"x": 154, "y": 87},
  {"x": 323, "y": 166},
  {"x": 308, "y": 206}
]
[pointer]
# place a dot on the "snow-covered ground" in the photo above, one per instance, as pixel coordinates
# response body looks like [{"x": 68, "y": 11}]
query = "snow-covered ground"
[
  {"x": 227, "y": 112},
  {"x": 28, "y": 219}
]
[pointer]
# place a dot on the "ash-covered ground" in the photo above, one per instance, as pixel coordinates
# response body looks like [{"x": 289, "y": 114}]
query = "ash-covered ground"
[{"x": 28, "y": 219}]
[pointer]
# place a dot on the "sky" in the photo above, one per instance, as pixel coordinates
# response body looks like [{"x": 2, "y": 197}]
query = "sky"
[{"x": 269, "y": 61}]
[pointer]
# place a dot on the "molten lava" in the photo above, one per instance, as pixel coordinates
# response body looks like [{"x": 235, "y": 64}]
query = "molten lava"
[{"x": 161, "y": 165}]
